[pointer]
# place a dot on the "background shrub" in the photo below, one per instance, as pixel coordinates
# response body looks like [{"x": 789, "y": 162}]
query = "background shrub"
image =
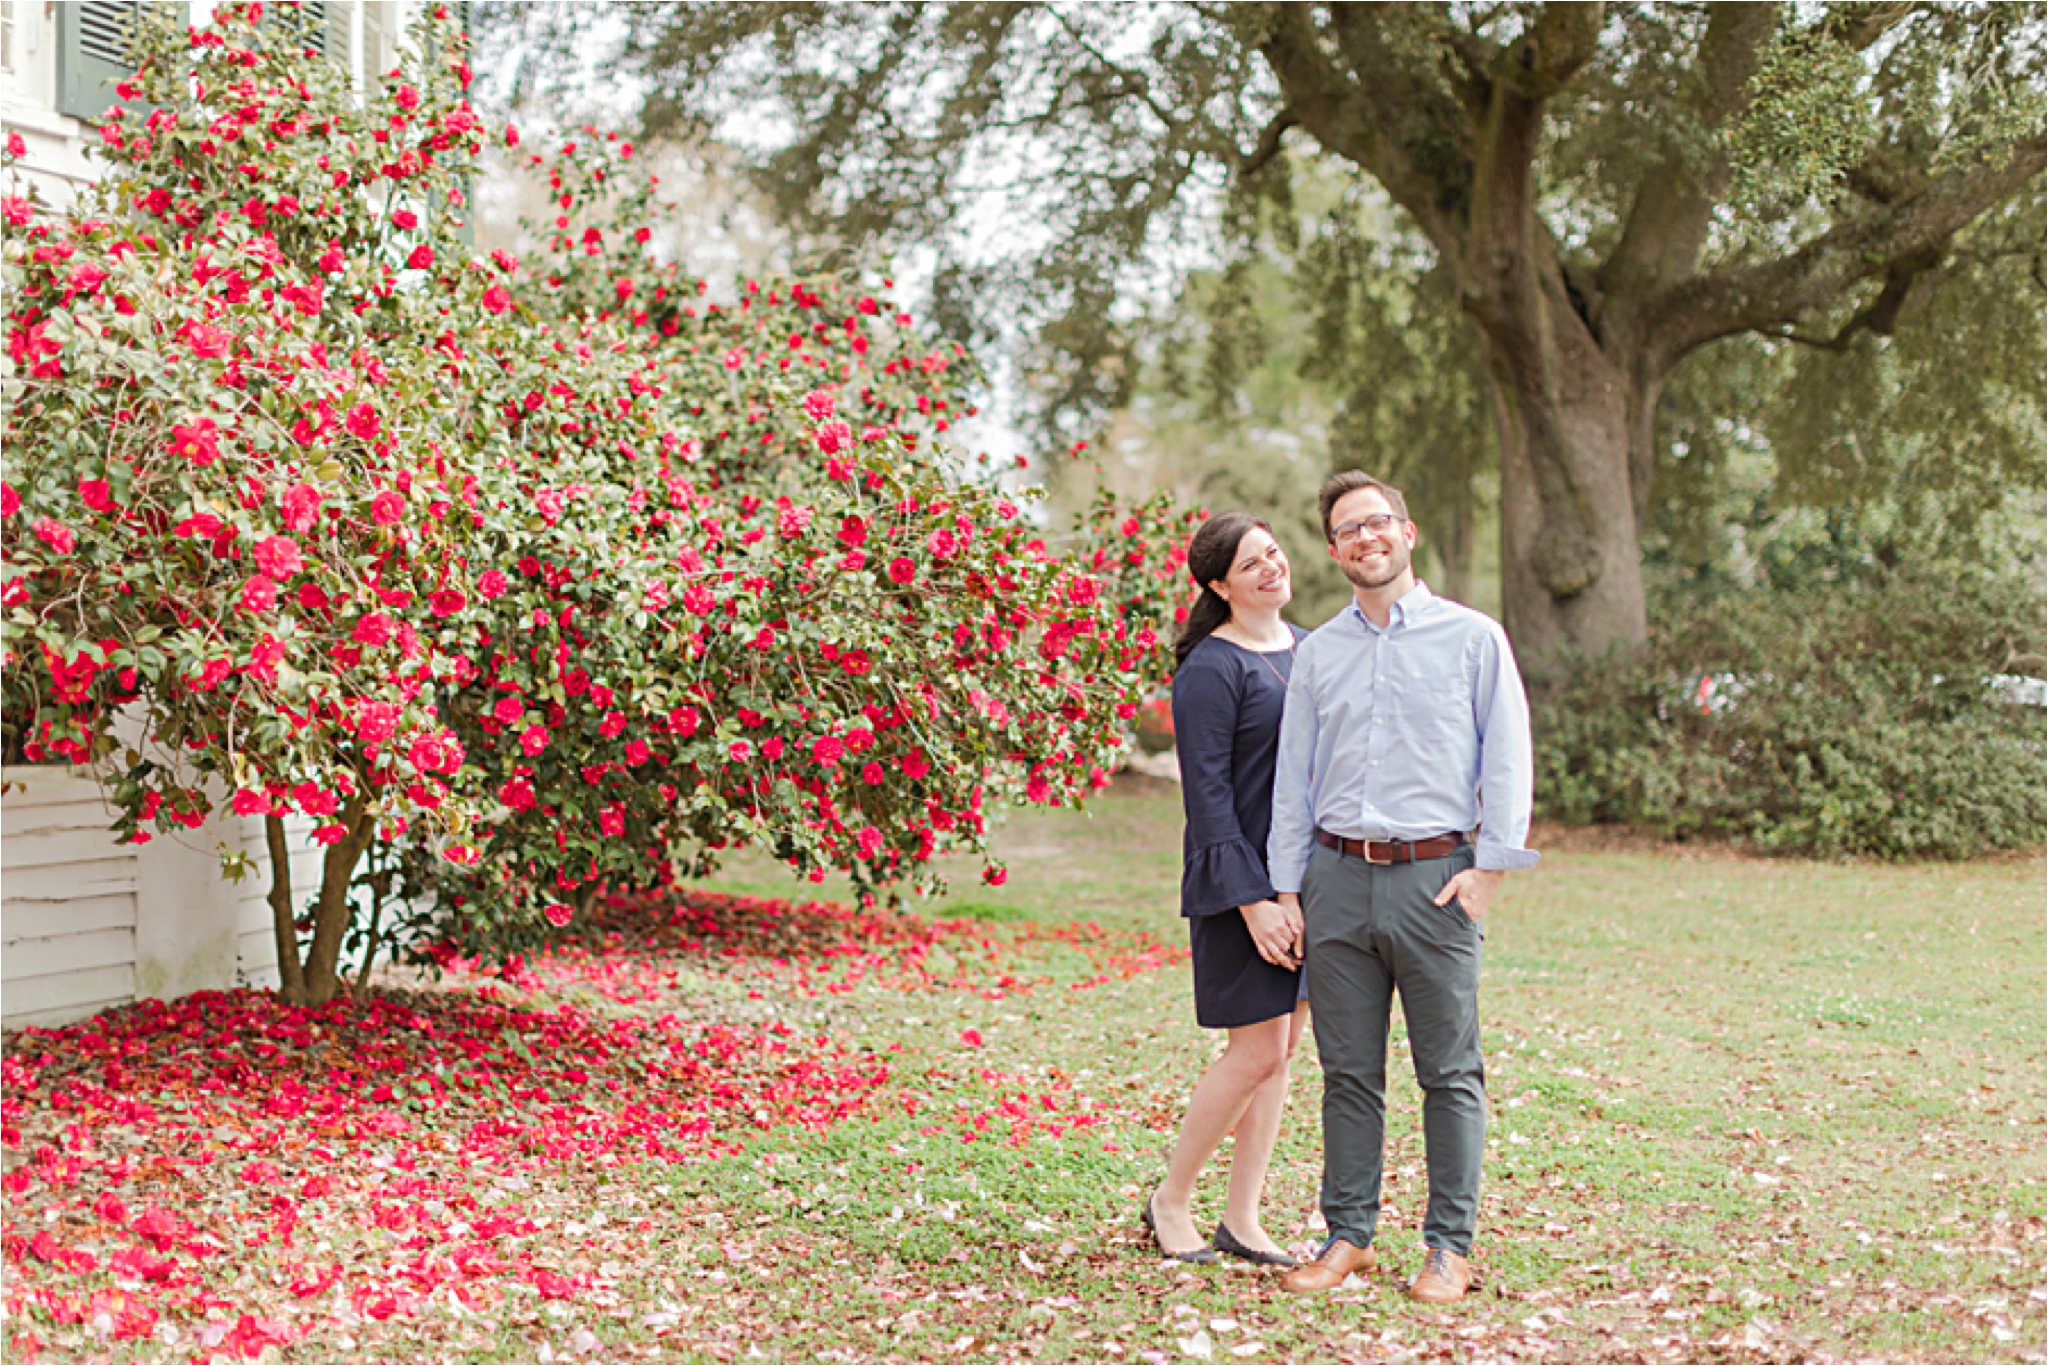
[{"x": 1851, "y": 719}]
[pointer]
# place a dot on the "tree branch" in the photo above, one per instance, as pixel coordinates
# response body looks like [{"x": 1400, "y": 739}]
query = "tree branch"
[
  {"x": 1881, "y": 316},
  {"x": 1776, "y": 295},
  {"x": 1384, "y": 115},
  {"x": 1269, "y": 144},
  {"x": 1545, "y": 59},
  {"x": 1856, "y": 27},
  {"x": 1505, "y": 242},
  {"x": 1674, "y": 205}
]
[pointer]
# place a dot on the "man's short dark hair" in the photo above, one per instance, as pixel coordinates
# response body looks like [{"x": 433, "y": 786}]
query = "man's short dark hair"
[{"x": 1350, "y": 481}]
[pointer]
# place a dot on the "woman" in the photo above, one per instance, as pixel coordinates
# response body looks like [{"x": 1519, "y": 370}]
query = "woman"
[{"x": 1233, "y": 660}]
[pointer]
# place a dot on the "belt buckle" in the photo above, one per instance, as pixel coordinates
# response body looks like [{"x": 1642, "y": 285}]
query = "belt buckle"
[{"x": 1365, "y": 852}]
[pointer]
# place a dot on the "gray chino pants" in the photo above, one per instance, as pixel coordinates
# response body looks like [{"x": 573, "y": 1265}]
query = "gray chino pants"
[{"x": 1372, "y": 930}]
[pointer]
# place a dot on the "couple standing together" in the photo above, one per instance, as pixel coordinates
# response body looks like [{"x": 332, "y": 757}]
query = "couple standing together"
[{"x": 1329, "y": 780}]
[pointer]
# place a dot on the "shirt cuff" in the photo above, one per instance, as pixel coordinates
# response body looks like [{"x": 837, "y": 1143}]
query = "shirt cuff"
[{"x": 1504, "y": 858}]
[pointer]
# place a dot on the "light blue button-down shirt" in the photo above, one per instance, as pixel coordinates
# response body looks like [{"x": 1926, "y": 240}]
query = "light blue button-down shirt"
[{"x": 1406, "y": 733}]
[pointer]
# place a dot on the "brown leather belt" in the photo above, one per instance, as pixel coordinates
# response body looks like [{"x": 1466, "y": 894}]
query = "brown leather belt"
[{"x": 1391, "y": 851}]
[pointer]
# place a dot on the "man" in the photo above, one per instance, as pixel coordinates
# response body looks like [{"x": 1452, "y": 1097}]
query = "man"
[{"x": 1406, "y": 726}]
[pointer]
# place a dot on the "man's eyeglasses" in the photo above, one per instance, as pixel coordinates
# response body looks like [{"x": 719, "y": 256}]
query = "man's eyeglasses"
[{"x": 1378, "y": 524}]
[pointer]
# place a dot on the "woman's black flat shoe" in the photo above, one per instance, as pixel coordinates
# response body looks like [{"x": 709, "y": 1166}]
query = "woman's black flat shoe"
[
  {"x": 1227, "y": 1242},
  {"x": 1201, "y": 1256}
]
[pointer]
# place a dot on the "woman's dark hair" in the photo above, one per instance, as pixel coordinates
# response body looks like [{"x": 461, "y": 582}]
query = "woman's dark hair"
[{"x": 1210, "y": 555}]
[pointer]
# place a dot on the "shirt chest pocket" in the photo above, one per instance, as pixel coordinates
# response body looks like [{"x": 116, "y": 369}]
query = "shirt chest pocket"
[{"x": 1437, "y": 702}]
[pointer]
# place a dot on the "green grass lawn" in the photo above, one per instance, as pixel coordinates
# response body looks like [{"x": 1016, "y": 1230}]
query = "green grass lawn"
[{"x": 1743, "y": 1110}]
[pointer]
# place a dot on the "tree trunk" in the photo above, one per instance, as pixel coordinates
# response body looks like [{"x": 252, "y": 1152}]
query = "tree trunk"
[
  {"x": 333, "y": 911},
  {"x": 1454, "y": 546},
  {"x": 283, "y": 922},
  {"x": 1571, "y": 559}
]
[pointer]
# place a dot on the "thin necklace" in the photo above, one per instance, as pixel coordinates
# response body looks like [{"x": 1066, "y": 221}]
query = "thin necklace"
[{"x": 1269, "y": 663}]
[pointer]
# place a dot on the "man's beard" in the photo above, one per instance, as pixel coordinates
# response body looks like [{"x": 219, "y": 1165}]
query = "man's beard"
[{"x": 1398, "y": 559}]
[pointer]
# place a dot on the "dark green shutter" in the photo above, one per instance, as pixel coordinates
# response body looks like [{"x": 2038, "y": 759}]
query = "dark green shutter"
[
  {"x": 93, "y": 52},
  {"x": 316, "y": 26}
]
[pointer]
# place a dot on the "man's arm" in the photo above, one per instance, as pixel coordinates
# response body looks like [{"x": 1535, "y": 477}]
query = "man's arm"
[
  {"x": 1294, "y": 822},
  {"x": 1507, "y": 779}
]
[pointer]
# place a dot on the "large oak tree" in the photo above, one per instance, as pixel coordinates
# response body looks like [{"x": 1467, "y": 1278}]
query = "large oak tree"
[{"x": 1609, "y": 187}]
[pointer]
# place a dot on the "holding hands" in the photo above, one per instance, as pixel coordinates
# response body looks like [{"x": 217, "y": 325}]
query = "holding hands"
[{"x": 1276, "y": 930}]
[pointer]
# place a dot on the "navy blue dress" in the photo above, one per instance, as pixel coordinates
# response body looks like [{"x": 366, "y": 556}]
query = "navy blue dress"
[{"x": 1227, "y": 702}]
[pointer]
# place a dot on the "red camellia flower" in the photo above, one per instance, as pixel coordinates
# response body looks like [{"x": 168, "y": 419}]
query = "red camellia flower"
[
  {"x": 301, "y": 507},
  {"x": 683, "y": 721},
  {"x": 249, "y": 802},
  {"x": 373, "y": 629},
  {"x": 331, "y": 834},
  {"x": 376, "y": 722},
  {"x": 508, "y": 710},
  {"x": 995, "y": 875},
  {"x": 278, "y": 556},
  {"x": 446, "y": 602},
  {"x": 496, "y": 300},
  {"x": 558, "y": 915},
  {"x": 915, "y": 765},
  {"x": 834, "y": 436},
  {"x": 511, "y": 136},
  {"x": 490, "y": 585},
  {"x": 405, "y": 220},
  {"x": 819, "y": 404},
  {"x": 406, "y": 98},
  {"x": 853, "y": 532},
  {"x": 97, "y": 493},
  {"x": 207, "y": 340},
  {"x": 873, "y": 775},
  {"x": 827, "y": 749},
  {"x": 1083, "y": 591},
  {"x": 422, "y": 257},
  {"x": 868, "y": 841},
  {"x": 55, "y": 535},
  {"x": 10, "y": 501},
  {"x": 612, "y": 820},
  {"x": 387, "y": 508},
  {"x": 364, "y": 422},
  {"x": 198, "y": 442},
  {"x": 435, "y": 753},
  {"x": 902, "y": 569},
  {"x": 971, "y": 1038},
  {"x": 739, "y": 750},
  {"x": 534, "y": 739},
  {"x": 259, "y": 594},
  {"x": 209, "y": 675}
]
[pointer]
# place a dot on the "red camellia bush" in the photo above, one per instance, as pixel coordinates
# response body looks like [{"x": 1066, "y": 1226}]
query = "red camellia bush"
[{"x": 520, "y": 576}]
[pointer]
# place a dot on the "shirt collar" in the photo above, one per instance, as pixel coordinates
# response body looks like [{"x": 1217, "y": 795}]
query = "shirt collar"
[{"x": 1411, "y": 605}]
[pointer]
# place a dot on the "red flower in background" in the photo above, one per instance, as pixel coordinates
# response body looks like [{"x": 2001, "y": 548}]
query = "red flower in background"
[
  {"x": 55, "y": 535},
  {"x": 278, "y": 556},
  {"x": 301, "y": 503},
  {"x": 198, "y": 442}
]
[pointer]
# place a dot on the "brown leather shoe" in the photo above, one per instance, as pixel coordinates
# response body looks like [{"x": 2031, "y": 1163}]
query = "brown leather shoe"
[
  {"x": 1444, "y": 1280},
  {"x": 1337, "y": 1260}
]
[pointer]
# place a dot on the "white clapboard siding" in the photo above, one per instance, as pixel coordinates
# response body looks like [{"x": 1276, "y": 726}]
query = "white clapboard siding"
[
  {"x": 255, "y": 939},
  {"x": 69, "y": 901},
  {"x": 88, "y": 923}
]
